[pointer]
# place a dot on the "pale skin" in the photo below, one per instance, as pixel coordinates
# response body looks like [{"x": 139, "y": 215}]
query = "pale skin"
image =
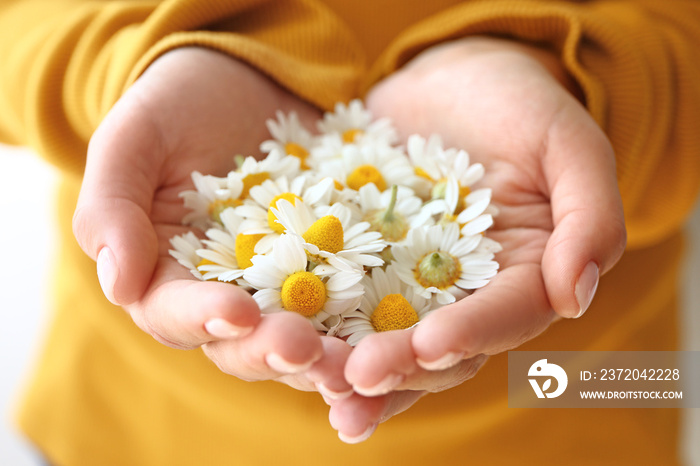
[{"x": 511, "y": 106}]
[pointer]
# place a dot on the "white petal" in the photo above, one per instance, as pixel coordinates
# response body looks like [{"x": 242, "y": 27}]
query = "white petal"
[
  {"x": 268, "y": 299},
  {"x": 342, "y": 281},
  {"x": 478, "y": 225}
]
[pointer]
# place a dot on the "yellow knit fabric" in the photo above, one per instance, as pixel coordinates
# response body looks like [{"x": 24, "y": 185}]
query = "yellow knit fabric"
[{"x": 105, "y": 393}]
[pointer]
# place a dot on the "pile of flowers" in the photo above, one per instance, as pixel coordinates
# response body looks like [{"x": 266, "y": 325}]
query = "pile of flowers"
[{"x": 346, "y": 228}]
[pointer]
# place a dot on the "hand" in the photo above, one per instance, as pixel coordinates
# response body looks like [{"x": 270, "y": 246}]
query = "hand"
[
  {"x": 552, "y": 170},
  {"x": 193, "y": 109}
]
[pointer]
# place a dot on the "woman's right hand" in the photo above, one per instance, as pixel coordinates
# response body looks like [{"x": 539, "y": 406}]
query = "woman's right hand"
[{"x": 193, "y": 109}]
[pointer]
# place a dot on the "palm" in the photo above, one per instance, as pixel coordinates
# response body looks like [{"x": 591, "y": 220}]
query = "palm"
[
  {"x": 548, "y": 165},
  {"x": 193, "y": 109}
]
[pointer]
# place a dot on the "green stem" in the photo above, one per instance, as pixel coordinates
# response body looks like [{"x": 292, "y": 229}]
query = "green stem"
[{"x": 389, "y": 213}]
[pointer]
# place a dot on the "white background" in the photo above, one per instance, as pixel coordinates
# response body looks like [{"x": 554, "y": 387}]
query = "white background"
[{"x": 26, "y": 238}]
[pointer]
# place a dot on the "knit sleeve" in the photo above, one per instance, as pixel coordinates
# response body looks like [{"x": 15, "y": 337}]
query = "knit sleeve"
[
  {"x": 66, "y": 62},
  {"x": 634, "y": 62}
]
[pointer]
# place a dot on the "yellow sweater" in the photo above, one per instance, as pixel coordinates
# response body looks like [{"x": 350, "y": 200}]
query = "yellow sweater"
[{"x": 104, "y": 393}]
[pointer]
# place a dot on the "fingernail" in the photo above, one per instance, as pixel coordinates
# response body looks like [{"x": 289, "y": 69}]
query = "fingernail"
[
  {"x": 332, "y": 395},
  {"x": 389, "y": 383},
  {"x": 224, "y": 329},
  {"x": 107, "y": 272},
  {"x": 586, "y": 286},
  {"x": 359, "y": 438},
  {"x": 278, "y": 363},
  {"x": 446, "y": 361}
]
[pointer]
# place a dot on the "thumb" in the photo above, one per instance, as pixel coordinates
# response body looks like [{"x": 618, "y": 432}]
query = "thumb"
[
  {"x": 111, "y": 221},
  {"x": 589, "y": 234}
]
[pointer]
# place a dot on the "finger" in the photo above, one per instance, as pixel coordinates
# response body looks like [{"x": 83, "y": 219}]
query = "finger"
[
  {"x": 328, "y": 373},
  {"x": 111, "y": 221},
  {"x": 440, "y": 380},
  {"x": 356, "y": 418},
  {"x": 185, "y": 313},
  {"x": 510, "y": 310},
  {"x": 386, "y": 362},
  {"x": 589, "y": 233},
  {"x": 282, "y": 343},
  {"x": 381, "y": 362}
]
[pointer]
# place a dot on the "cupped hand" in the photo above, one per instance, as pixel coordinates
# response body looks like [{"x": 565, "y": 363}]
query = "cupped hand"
[
  {"x": 552, "y": 172},
  {"x": 192, "y": 109}
]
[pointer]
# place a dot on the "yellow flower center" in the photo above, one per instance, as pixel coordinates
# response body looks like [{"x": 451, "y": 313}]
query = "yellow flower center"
[
  {"x": 298, "y": 151},
  {"x": 272, "y": 218},
  {"x": 438, "y": 269},
  {"x": 326, "y": 233},
  {"x": 351, "y": 135},
  {"x": 253, "y": 179},
  {"x": 366, "y": 174},
  {"x": 245, "y": 249},
  {"x": 219, "y": 205},
  {"x": 303, "y": 293},
  {"x": 338, "y": 185},
  {"x": 393, "y": 312}
]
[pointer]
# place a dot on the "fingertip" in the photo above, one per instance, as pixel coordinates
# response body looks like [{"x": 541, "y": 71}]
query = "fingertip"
[
  {"x": 354, "y": 439},
  {"x": 356, "y": 418},
  {"x": 443, "y": 362},
  {"x": 222, "y": 329},
  {"x": 228, "y": 308},
  {"x": 293, "y": 341},
  {"x": 586, "y": 286},
  {"x": 119, "y": 236},
  {"x": 328, "y": 372},
  {"x": 374, "y": 375},
  {"x": 281, "y": 365},
  {"x": 583, "y": 247},
  {"x": 107, "y": 273}
]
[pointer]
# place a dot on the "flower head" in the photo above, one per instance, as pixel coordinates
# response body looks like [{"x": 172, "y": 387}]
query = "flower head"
[
  {"x": 332, "y": 237},
  {"x": 259, "y": 212},
  {"x": 387, "y": 304},
  {"x": 289, "y": 137},
  {"x": 211, "y": 196},
  {"x": 285, "y": 281},
  {"x": 353, "y": 124},
  {"x": 435, "y": 260}
]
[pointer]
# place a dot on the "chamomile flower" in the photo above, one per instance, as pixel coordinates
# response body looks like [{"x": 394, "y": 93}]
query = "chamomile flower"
[
  {"x": 252, "y": 172},
  {"x": 258, "y": 210},
  {"x": 185, "y": 252},
  {"x": 289, "y": 137},
  {"x": 359, "y": 165},
  {"x": 228, "y": 252},
  {"x": 471, "y": 211},
  {"x": 353, "y": 123},
  {"x": 284, "y": 282},
  {"x": 392, "y": 212},
  {"x": 435, "y": 260},
  {"x": 209, "y": 198},
  {"x": 434, "y": 164},
  {"x": 387, "y": 304},
  {"x": 333, "y": 238}
]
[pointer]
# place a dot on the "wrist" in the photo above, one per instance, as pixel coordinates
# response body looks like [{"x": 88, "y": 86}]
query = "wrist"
[{"x": 476, "y": 47}]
